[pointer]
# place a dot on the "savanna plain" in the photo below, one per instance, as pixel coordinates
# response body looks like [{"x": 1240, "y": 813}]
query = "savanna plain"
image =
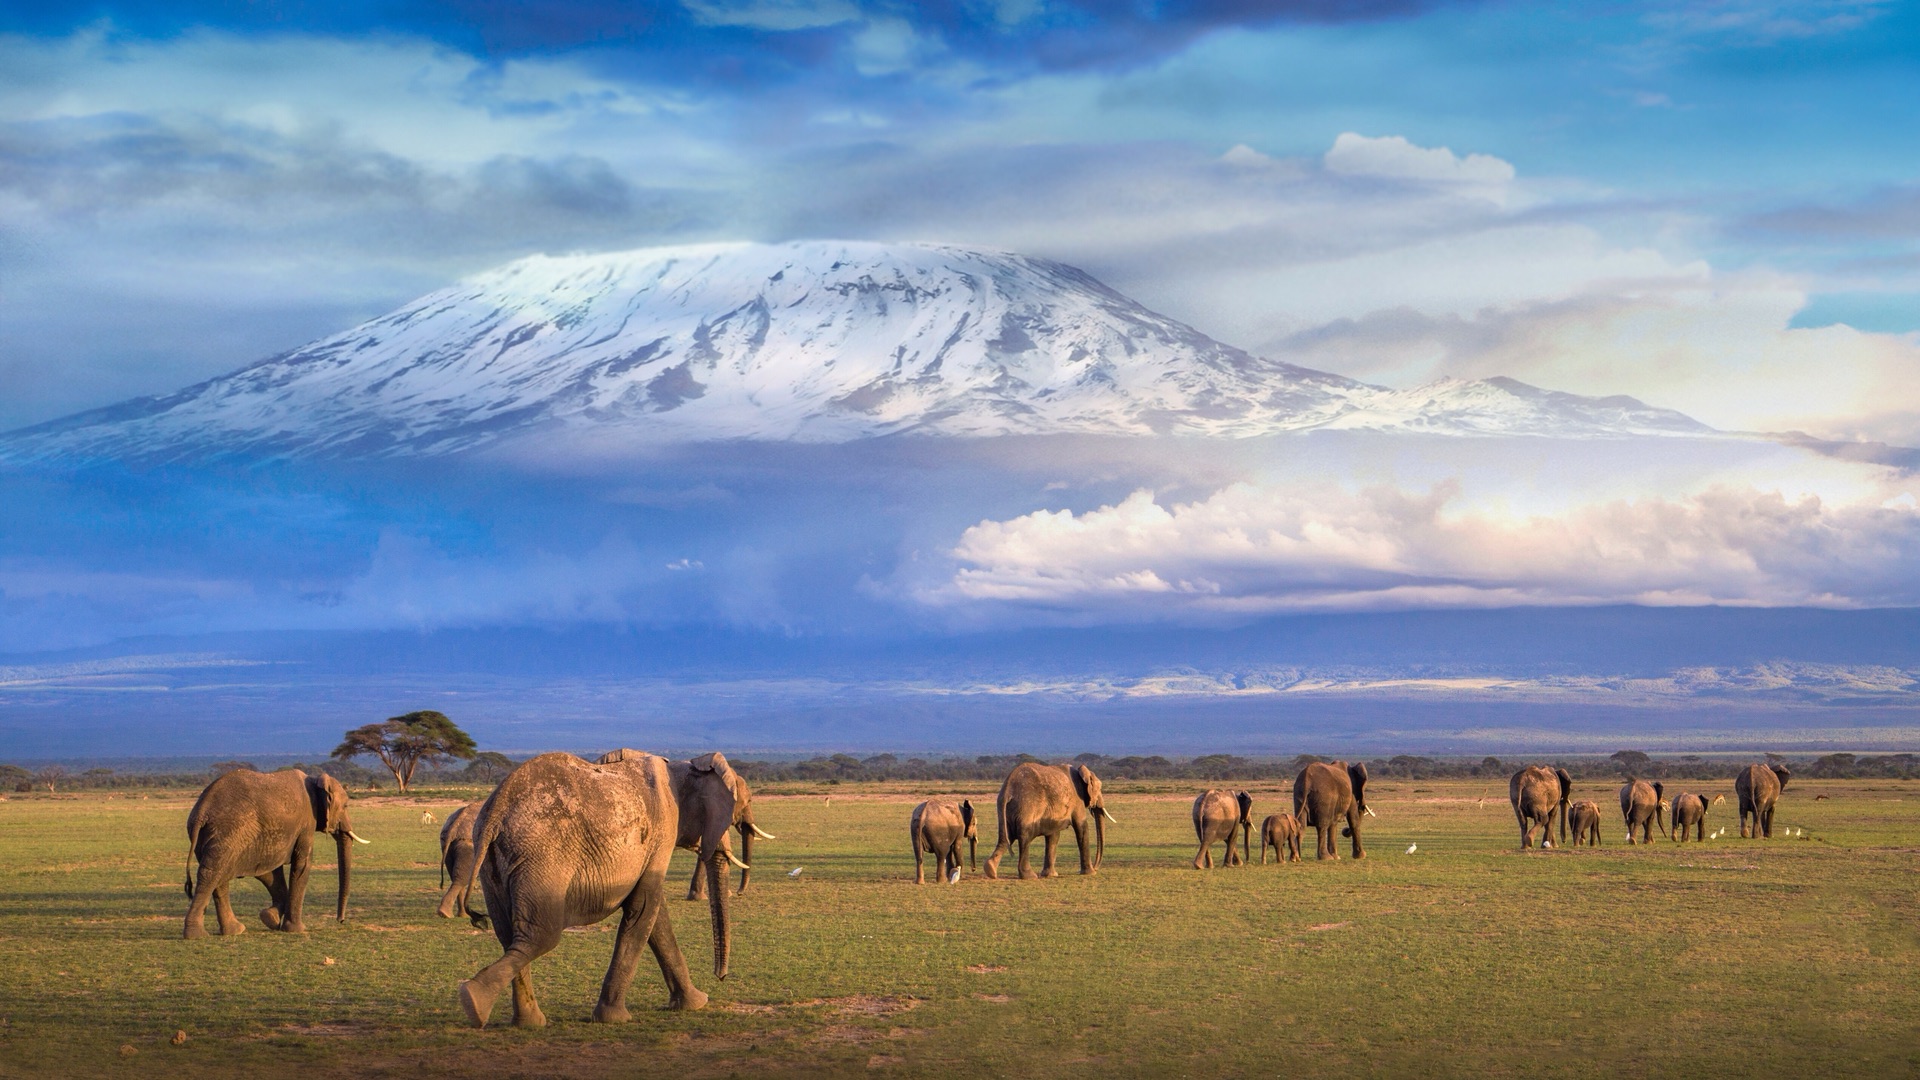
[{"x": 1795, "y": 956}]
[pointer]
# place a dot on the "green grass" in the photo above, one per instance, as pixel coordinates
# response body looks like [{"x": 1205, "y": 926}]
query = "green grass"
[{"x": 1466, "y": 958}]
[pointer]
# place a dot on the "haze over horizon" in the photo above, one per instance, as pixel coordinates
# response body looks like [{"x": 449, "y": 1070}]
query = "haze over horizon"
[{"x": 793, "y": 356}]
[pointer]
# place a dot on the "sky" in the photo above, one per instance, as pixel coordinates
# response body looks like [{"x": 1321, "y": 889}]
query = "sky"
[{"x": 1713, "y": 207}]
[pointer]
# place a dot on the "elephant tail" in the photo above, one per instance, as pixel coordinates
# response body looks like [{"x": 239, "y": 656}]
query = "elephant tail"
[
  {"x": 482, "y": 840},
  {"x": 193, "y": 845}
]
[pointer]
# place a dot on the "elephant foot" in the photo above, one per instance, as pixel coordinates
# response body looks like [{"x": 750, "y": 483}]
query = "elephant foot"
[
  {"x": 992, "y": 869},
  {"x": 689, "y": 1000},
  {"x": 532, "y": 1018},
  {"x": 445, "y": 911},
  {"x": 476, "y": 1003},
  {"x": 192, "y": 932},
  {"x": 232, "y": 929},
  {"x": 271, "y": 917},
  {"x": 604, "y": 1013}
]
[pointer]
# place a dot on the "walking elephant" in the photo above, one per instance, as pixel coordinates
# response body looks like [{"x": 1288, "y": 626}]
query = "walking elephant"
[
  {"x": 261, "y": 825},
  {"x": 456, "y": 864},
  {"x": 1323, "y": 794},
  {"x": 566, "y": 842},
  {"x": 1039, "y": 802},
  {"x": 1539, "y": 794},
  {"x": 937, "y": 827},
  {"x": 1690, "y": 812},
  {"x": 1222, "y": 815},
  {"x": 1758, "y": 788},
  {"x": 1643, "y": 805},
  {"x": 1584, "y": 816},
  {"x": 1282, "y": 833},
  {"x": 692, "y": 790}
]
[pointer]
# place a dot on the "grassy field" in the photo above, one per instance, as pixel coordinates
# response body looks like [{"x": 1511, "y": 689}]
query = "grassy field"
[{"x": 1467, "y": 957}]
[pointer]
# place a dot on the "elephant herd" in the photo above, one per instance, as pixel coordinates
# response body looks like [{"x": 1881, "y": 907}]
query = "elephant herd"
[
  {"x": 564, "y": 842},
  {"x": 1540, "y": 795}
]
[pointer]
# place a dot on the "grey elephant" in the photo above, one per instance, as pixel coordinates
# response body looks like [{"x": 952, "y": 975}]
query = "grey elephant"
[
  {"x": 1326, "y": 793},
  {"x": 701, "y": 810},
  {"x": 261, "y": 825},
  {"x": 1539, "y": 795},
  {"x": 566, "y": 842},
  {"x": 936, "y": 828},
  {"x": 1223, "y": 815},
  {"x": 1758, "y": 788},
  {"x": 1282, "y": 833},
  {"x": 1584, "y": 816},
  {"x": 1643, "y": 805},
  {"x": 1690, "y": 813},
  {"x": 456, "y": 864},
  {"x": 693, "y": 821},
  {"x": 1040, "y": 801}
]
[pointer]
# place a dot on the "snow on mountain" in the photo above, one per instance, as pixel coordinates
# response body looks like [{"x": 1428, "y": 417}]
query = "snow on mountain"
[{"x": 815, "y": 342}]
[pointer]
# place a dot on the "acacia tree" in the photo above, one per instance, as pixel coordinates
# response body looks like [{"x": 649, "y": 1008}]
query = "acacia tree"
[{"x": 403, "y": 742}]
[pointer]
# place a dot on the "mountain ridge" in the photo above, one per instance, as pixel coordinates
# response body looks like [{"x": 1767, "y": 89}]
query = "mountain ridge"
[{"x": 818, "y": 341}]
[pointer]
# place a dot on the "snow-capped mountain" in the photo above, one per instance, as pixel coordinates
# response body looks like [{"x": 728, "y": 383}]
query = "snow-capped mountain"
[{"x": 816, "y": 342}]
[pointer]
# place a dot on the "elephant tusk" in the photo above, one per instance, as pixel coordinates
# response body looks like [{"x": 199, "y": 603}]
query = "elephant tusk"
[
  {"x": 1108, "y": 814},
  {"x": 357, "y": 838},
  {"x": 761, "y": 833},
  {"x": 1370, "y": 812},
  {"x": 735, "y": 861}
]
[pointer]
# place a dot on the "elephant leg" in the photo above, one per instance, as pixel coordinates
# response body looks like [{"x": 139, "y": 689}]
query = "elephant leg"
[
  {"x": 1049, "y": 869},
  {"x": 919, "y": 867},
  {"x": 223, "y": 911},
  {"x": 1203, "y": 859},
  {"x": 636, "y": 927},
  {"x": 297, "y": 884},
  {"x": 682, "y": 994},
  {"x": 530, "y": 931},
  {"x": 203, "y": 892},
  {"x": 1353, "y": 830},
  {"x": 697, "y": 889},
  {"x": 274, "y": 915},
  {"x": 1026, "y": 869}
]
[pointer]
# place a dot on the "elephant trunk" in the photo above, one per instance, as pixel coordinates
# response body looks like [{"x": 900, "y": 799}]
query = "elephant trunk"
[
  {"x": 1099, "y": 838},
  {"x": 344, "y": 842},
  {"x": 972, "y": 863},
  {"x": 746, "y": 854},
  {"x": 718, "y": 901}
]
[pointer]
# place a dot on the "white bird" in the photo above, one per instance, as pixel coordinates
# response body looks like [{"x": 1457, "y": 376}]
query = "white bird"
[
  {"x": 795, "y": 872},
  {"x": 953, "y": 877},
  {"x": 1411, "y": 848},
  {"x": 426, "y": 817}
]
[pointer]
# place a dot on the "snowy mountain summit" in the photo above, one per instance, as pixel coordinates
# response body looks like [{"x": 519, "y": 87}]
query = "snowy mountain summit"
[{"x": 814, "y": 342}]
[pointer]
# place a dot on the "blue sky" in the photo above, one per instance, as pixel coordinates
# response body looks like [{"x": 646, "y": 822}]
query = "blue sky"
[{"x": 187, "y": 187}]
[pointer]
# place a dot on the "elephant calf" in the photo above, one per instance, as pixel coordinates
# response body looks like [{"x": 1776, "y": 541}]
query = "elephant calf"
[
  {"x": 1222, "y": 815},
  {"x": 1282, "y": 833},
  {"x": 1584, "y": 816},
  {"x": 1690, "y": 812},
  {"x": 456, "y": 863},
  {"x": 261, "y": 825},
  {"x": 937, "y": 827}
]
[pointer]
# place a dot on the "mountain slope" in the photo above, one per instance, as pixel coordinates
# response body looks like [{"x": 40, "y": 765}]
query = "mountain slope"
[{"x": 817, "y": 342}]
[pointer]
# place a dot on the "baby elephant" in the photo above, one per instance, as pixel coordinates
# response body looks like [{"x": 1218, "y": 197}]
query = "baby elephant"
[
  {"x": 456, "y": 864},
  {"x": 1584, "y": 817},
  {"x": 1282, "y": 833},
  {"x": 938, "y": 826},
  {"x": 1690, "y": 811}
]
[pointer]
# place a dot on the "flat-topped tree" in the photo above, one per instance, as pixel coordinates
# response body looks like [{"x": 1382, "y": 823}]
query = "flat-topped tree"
[{"x": 403, "y": 742}]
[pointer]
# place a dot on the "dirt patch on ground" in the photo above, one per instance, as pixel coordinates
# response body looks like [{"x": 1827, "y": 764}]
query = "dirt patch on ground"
[
  {"x": 1328, "y": 926},
  {"x": 986, "y": 969},
  {"x": 997, "y": 999},
  {"x": 336, "y": 1029}
]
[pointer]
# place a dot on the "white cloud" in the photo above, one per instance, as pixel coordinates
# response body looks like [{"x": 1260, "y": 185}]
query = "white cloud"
[
  {"x": 1277, "y": 546},
  {"x": 1393, "y": 157},
  {"x": 773, "y": 14}
]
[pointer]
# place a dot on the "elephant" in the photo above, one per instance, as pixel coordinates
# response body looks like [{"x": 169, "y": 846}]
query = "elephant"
[
  {"x": 1690, "y": 812},
  {"x": 1222, "y": 815},
  {"x": 1282, "y": 833},
  {"x": 1643, "y": 805},
  {"x": 690, "y": 788},
  {"x": 1758, "y": 788},
  {"x": 566, "y": 842},
  {"x": 1585, "y": 818},
  {"x": 262, "y": 825},
  {"x": 1539, "y": 794},
  {"x": 1325, "y": 792},
  {"x": 937, "y": 827},
  {"x": 456, "y": 864},
  {"x": 1037, "y": 801}
]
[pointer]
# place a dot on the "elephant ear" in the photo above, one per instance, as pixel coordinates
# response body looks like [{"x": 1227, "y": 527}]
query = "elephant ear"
[
  {"x": 1246, "y": 804},
  {"x": 1357, "y": 772},
  {"x": 1781, "y": 772},
  {"x": 1083, "y": 779},
  {"x": 329, "y": 801},
  {"x": 1659, "y": 792},
  {"x": 966, "y": 813},
  {"x": 1566, "y": 783}
]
